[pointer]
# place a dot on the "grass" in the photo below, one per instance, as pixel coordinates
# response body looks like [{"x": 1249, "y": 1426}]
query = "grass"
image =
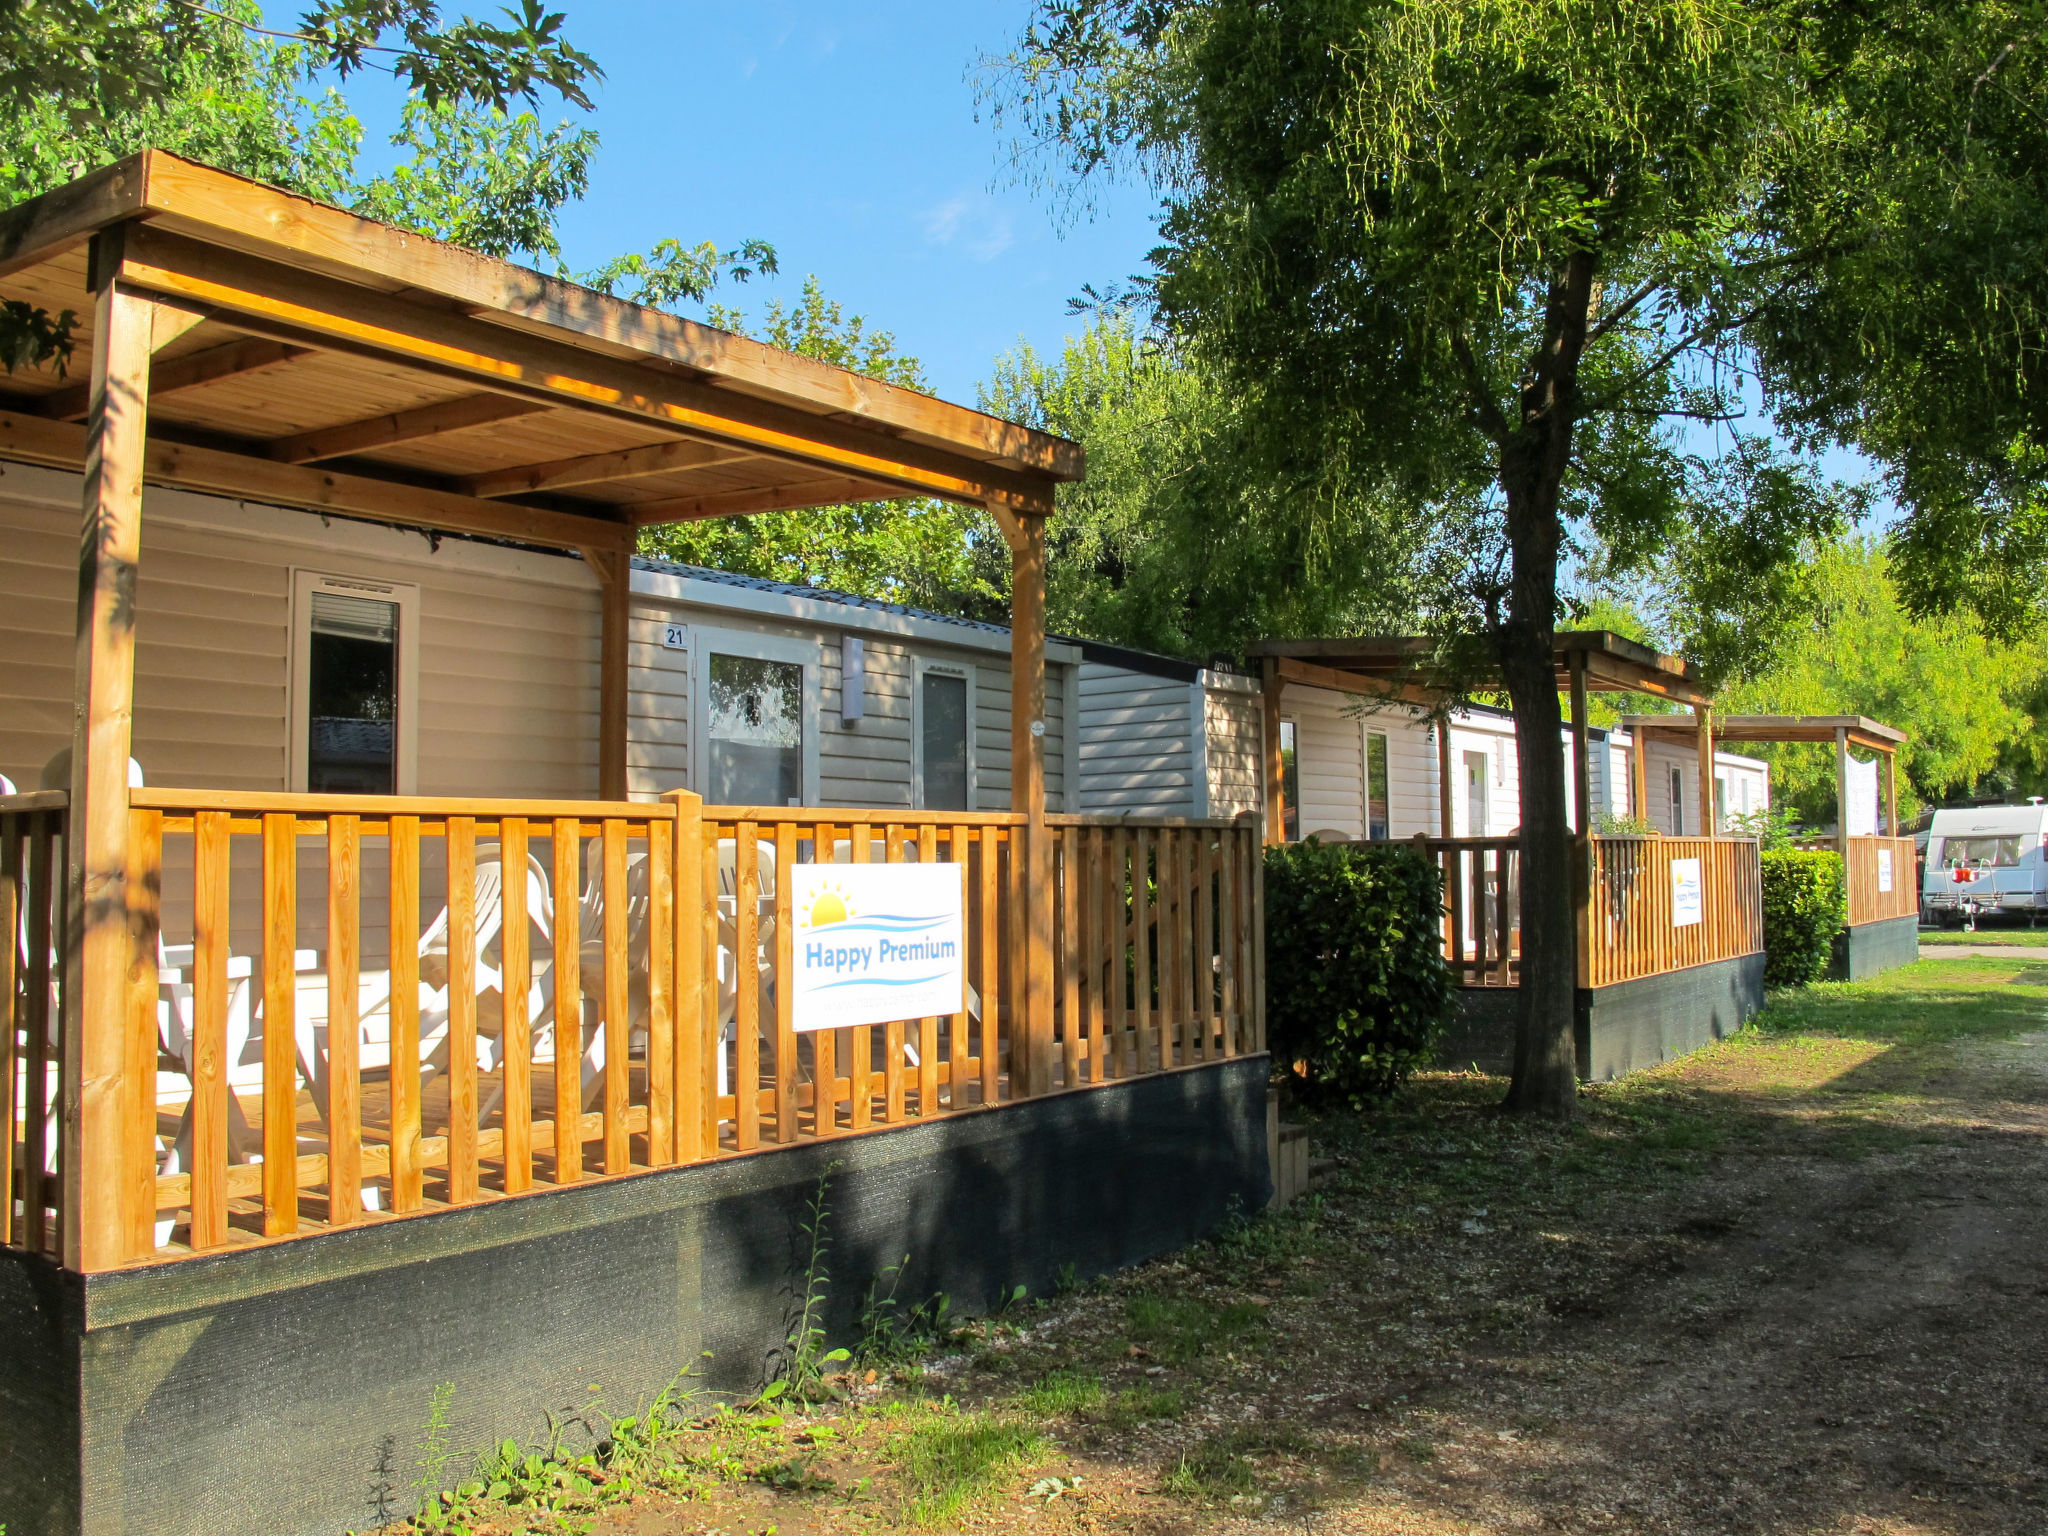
[
  {"x": 1225, "y": 1465},
  {"x": 1142, "y": 1404},
  {"x": 1932, "y": 1002},
  {"x": 1063, "y": 1393},
  {"x": 951, "y": 1458},
  {"x": 1999, "y": 936},
  {"x": 1181, "y": 1330}
]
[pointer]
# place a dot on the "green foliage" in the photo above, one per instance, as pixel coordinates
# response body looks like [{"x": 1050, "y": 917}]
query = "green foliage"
[
  {"x": 804, "y": 1358},
  {"x": 892, "y": 1335},
  {"x": 212, "y": 84},
  {"x": 1773, "y": 827},
  {"x": 1357, "y": 985},
  {"x": 1805, "y": 905},
  {"x": 1959, "y": 697},
  {"x": 924, "y": 553}
]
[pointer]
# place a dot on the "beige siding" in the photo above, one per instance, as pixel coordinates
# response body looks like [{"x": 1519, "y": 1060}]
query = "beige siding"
[{"x": 1235, "y": 722}]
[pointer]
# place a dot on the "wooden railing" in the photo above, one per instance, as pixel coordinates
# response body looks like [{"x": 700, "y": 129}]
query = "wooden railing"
[
  {"x": 1659, "y": 904},
  {"x": 1482, "y": 907},
  {"x": 31, "y": 1002},
  {"x": 352, "y": 1008},
  {"x": 1882, "y": 879}
]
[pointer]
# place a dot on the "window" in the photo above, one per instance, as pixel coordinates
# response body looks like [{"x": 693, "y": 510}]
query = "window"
[
  {"x": 1378, "y": 823},
  {"x": 1720, "y": 802},
  {"x": 1475, "y": 794},
  {"x": 355, "y": 671},
  {"x": 1290, "y": 784},
  {"x": 1678, "y": 802},
  {"x": 945, "y": 737},
  {"x": 1980, "y": 852},
  {"x": 755, "y": 712}
]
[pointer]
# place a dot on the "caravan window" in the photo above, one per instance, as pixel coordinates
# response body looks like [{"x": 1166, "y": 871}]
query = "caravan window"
[
  {"x": 355, "y": 674},
  {"x": 1378, "y": 825},
  {"x": 944, "y": 722},
  {"x": 756, "y": 731},
  {"x": 1290, "y": 784},
  {"x": 1980, "y": 852}
]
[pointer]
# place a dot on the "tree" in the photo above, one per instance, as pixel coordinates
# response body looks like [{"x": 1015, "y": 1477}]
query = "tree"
[
  {"x": 1959, "y": 697},
  {"x": 918, "y": 552},
  {"x": 212, "y": 83},
  {"x": 1467, "y": 258}
]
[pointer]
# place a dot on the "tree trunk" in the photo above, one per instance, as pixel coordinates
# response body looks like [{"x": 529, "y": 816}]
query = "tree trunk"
[{"x": 1534, "y": 458}]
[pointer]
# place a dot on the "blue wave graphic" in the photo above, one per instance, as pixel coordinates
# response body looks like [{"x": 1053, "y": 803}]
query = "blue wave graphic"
[
  {"x": 878, "y": 981},
  {"x": 880, "y": 925}
]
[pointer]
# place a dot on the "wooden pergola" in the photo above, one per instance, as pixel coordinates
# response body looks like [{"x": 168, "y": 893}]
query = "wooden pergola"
[
  {"x": 1842, "y": 731},
  {"x": 1402, "y": 669},
  {"x": 250, "y": 343}
]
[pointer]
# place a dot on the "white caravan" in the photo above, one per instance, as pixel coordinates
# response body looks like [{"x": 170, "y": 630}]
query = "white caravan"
[{"x": 1986, "y": 859}]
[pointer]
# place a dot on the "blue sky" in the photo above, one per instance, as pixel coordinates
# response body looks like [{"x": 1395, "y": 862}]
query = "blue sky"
[{"x": 846, "y": 135}]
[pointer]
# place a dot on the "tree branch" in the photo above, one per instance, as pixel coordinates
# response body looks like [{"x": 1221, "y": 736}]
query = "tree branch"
[{"x": 1491, "y": 421}]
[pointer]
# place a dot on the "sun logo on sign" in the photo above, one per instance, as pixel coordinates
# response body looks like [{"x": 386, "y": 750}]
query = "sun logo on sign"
[{"x": 829, "y": 906}]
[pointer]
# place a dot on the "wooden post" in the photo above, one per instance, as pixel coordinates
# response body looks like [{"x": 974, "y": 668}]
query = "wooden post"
[
  {"x": 1582, "y": 840},
  {"x": 1842, "y": 796},
  {"x": 614, "y": 568},
  {"x": 1445, "y": 792},
  {"x": 1709, "y": 824},
  {"x": 1033, "y": 1066},
  {"x": 1891, "y": 794},
  {"x": 99, "y": 1096},
  {"x": 1582, "y": 761},
  {"x": 1276, "y": 770},
  {"x": 1639, "y": 775}
]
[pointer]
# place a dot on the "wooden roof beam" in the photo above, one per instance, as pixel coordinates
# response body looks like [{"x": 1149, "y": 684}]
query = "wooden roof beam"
[
  {"x": 293, "y": 305},
  {"x": 789, "y": 497},
  {"x": 1312, "y": 675},
  {"x": 235, "y": 358},
  {"x": 196, "y": 199},
  {"x": 61, "y": 444},
  {"x": 600, "y": 468},
  {"x": 395, "y": 427}
]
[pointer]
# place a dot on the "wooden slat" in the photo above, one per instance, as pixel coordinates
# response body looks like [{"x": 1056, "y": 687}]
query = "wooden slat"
[
  {"x": 1073, "y": 882},
  {"x": 344, "y": 1028},
  {"x": 14, "y": 1006},
  {"x": 389, "y": 430},
  {"x": 462, "y": 1020},
  {"x": 145, "y": 926},
  {"x": 958, "y": 1044},
  {"x": 567, "y": 957},
  {"x": 861, "y": 1041},
  {"x": 694, "y": 1031},
  {"x": 280, "y": 1022},
  {"x": 892, "y": 1032},
  {"x": 408, "y": 1186},
  {"x": 618, "y": 1066},
  {"x": 1258, "y": 950},
  {"x": 747, "y": 1012},
  {"x": 928, "y": 1029},
  {"x": 45, "y": 921},
  {"x": 192, "y": 371},
  {"x": 661, "y": 982},
  {"x": 598, "y": 468},
  {"x": 1120, "y": 921},
  {"x": 991, "y": 962},
  {"x": 211, "y": 918},
  {"x": 516, "y": 967},
  {"x": 785, "y": 995},
  {"x": 708, "y": 1030},
  {"x": 1205, "y": 944},
  {"x": 825, "y": 1042},
  {"x": 1143, "y": 920},
  {"x": 1229, "y": 938}
]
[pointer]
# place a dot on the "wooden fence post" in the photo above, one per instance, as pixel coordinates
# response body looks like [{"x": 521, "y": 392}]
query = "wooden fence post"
[{"x": 99, "y": 1096}]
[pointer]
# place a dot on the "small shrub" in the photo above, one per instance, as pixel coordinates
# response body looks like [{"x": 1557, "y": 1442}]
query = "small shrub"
[
  {"x": 1356, "y": 982},
  {"x": 1804, "y": 908}
]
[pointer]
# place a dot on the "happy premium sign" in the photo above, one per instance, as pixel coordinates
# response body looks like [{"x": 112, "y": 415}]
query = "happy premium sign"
[{"x": 873, "y": 943}]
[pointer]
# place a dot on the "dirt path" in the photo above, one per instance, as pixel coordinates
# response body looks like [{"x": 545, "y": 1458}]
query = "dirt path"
[{"x": 1795, "y": 1284}]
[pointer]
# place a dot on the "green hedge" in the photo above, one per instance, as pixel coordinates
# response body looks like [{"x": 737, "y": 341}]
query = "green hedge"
[
  {"x": 1805, "y": 906},
  {"x": 1356, "y": 983}
]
